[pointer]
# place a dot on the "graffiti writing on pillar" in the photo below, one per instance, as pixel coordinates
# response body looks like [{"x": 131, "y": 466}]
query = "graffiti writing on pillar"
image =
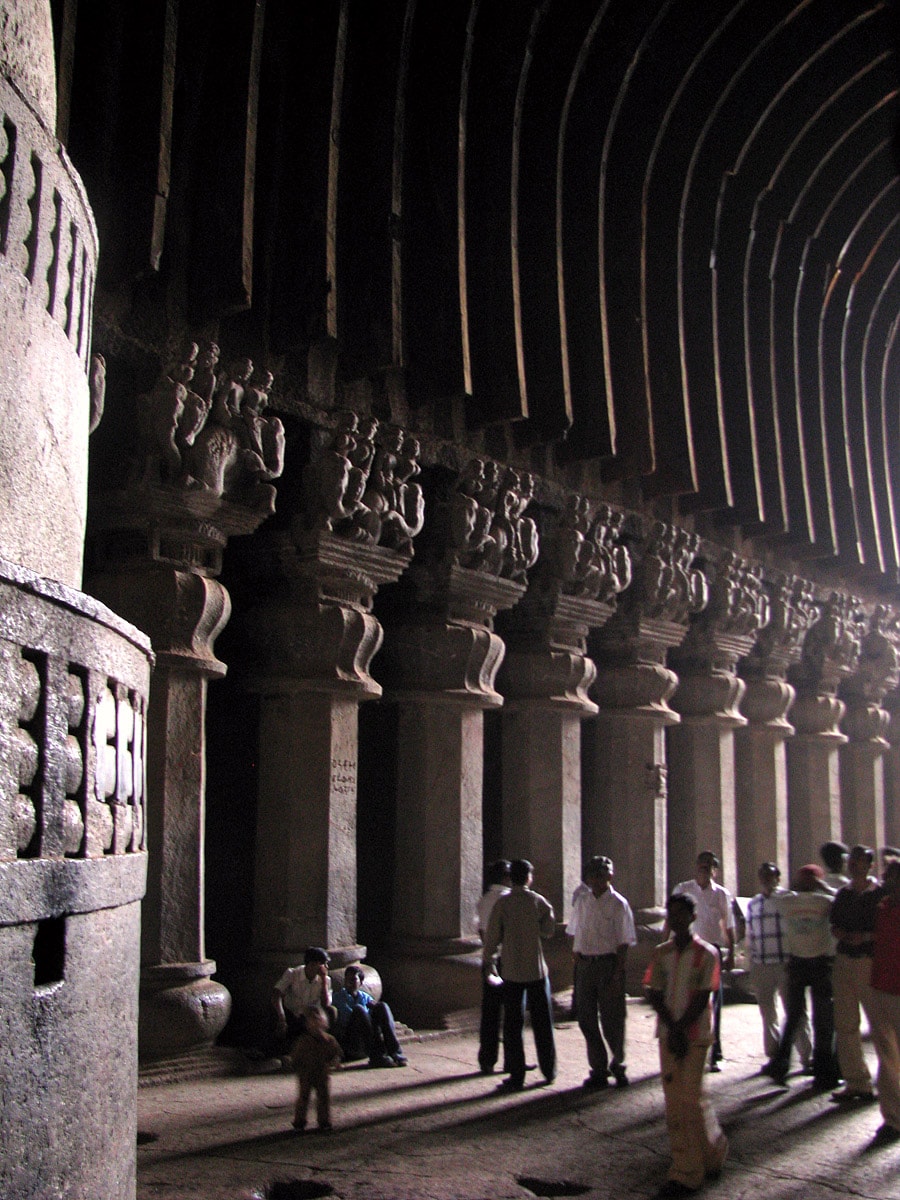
[{"x": 343, "y": 777}]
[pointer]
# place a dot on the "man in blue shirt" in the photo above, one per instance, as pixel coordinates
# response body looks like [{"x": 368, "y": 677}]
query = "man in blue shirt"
[{"x": 365, "y": 1026}]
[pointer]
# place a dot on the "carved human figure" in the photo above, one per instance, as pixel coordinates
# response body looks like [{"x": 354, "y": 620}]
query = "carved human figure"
[
  {"x": 97, "y": 390},
  {"x": 215, "y": 462},
  {"x": 159, "y": 414}
]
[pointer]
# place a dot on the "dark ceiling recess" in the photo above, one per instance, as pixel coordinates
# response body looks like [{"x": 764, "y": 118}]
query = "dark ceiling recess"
[{"x": 659, "y": 235}]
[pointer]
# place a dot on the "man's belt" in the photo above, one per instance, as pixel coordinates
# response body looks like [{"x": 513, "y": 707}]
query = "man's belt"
[{"x": 595, "y": 957}]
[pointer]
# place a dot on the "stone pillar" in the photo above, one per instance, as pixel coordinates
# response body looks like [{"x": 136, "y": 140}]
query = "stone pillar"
[
  {"x": 830, "y": 650},
  {"x": 892, "y": 770},
  {"x": 74, "y": 679},
  {"x": 357, "y": 515},
  {"x": 442, "y": 676},
  {"x": 702, "y": 782},
  {"x": 313, "y": 674},
  {"x": 760, "y": 753},
  {"x": 156, "y": 546},
  {"x": 440, "y": 662},
  {"x": 545, "y": 679},
  {"x": 865, "y": 724},
  {"x": 633, "y": 689},
  {"x": 626, "y": 814}
]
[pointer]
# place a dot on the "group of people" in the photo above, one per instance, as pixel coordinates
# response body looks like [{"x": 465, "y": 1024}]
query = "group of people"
[
  {"x": 324, "y": 1028},
  {"x": 834, "y": 934}
]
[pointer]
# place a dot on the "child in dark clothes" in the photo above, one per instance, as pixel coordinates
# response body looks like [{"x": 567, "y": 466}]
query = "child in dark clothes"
[{"x": 314, "y": 1054}]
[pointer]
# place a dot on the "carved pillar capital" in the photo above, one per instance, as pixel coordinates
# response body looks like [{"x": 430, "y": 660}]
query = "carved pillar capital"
[
  {"x": 831, "y": 647},
  {"x": 818, "y": 716},
  {"x": 182, "y": 612},
  {"x": 792, "y": 610},
  {"x": 725, "y": 629},
  {"x": 765, "y": 703},
  {"x": 876, "y": 674}
]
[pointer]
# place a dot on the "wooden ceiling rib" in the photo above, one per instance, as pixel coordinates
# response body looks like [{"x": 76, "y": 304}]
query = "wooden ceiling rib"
[{"x": 658, "y": 235}]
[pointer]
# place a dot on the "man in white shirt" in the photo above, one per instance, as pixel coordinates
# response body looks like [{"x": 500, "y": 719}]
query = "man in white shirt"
[
  {"x": 491, "y": 992},
  {"x": 714, "y": 923},
  {"x": 602, "y": 929},
  {"x": 806, "y": 920},
  {"x": 300, "y": 988}
]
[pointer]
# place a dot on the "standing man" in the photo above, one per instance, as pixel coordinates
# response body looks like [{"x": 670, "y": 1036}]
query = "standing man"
[
  {"x": 834, "y": 856},
  {"x": 714, "y": 924},
  {"x": 497, "y": 879},
  {"x": 519, "y": 921},
  {"x": 768, "y": 963},
  {"x": 806, "y": 920},
  {"x": 853, "y": 926},
  {"x": 885, "y": 1004},
  {"x": 681, "y": 978},
  {"x": 602, "y": 928}
]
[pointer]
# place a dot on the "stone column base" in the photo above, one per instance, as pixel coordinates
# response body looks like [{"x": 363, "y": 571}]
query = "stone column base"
[
  {"x": 181, "y": 1009},
  {"x": 425, "y": 983}
]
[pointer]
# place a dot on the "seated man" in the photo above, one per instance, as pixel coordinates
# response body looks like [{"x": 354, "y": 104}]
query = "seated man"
[
  {"x": 365, "y": 1027},
  {"x": 300, "y": 988}
]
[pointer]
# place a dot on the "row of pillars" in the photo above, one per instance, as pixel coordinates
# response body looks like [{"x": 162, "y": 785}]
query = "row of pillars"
[{"x": 683, "y": 754}]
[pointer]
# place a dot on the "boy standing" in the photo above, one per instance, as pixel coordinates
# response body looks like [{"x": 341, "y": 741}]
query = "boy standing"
[{"x": 315, "y": 1053}]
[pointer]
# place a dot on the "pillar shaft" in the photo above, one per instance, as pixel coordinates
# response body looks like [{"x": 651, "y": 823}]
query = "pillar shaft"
[
  {"x": 173, "y": 925},
  {"x": 761, "y": 793},
  {"x": 761, "y": 803},
  {"x": 305, "y": 891},
  {"x": 862, "y": 792},
  {"x": 814, "y": 791},
  {"x": 542, "y": 797},
  {"x": 702, "y": 802},
  {"x": 439, "y": 782},
  {"x": 630, "y": 777}
]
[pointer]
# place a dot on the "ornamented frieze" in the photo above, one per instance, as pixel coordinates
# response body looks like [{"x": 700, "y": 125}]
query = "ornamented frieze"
[
  {"x": 73, "y": 748},
  {"x": 205, "y": 429},
  {"x": 583, "y": 567},
  {"x": 667, "y": 587}
]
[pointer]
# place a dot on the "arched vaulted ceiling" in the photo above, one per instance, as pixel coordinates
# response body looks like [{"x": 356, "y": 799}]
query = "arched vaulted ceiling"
[{"x": 662, "y": 235}]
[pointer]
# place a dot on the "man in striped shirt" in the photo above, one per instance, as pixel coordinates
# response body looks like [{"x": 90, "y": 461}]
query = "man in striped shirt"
[
  {"x": 768, "y": 963},
  {"x": 681, "y": 978}
]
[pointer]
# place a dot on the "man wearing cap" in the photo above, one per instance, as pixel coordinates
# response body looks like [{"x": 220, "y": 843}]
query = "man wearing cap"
[
  {"x": 300, "y": 988},
  {"x": 602, "y": 929},
  {"x": 806, "y": 918},
  {"x": 714, "y": 923},
  {"x": 768, "y": 963}
]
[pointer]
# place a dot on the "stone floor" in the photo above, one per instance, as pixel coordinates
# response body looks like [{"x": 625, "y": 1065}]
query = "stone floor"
[{"x": 438, "y": 1130}]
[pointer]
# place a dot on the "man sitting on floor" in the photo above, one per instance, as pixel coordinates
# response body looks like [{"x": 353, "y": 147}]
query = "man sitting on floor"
[{"x": 365, "y": 1026}]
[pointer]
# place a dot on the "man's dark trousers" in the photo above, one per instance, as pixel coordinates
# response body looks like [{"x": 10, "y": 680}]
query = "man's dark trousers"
[
  {"x": 537, "y": 995},
  {"x": 815, "y": 974},
  {"x": 491, "y": 1012},
  {"x": 600, "y": 991}
]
